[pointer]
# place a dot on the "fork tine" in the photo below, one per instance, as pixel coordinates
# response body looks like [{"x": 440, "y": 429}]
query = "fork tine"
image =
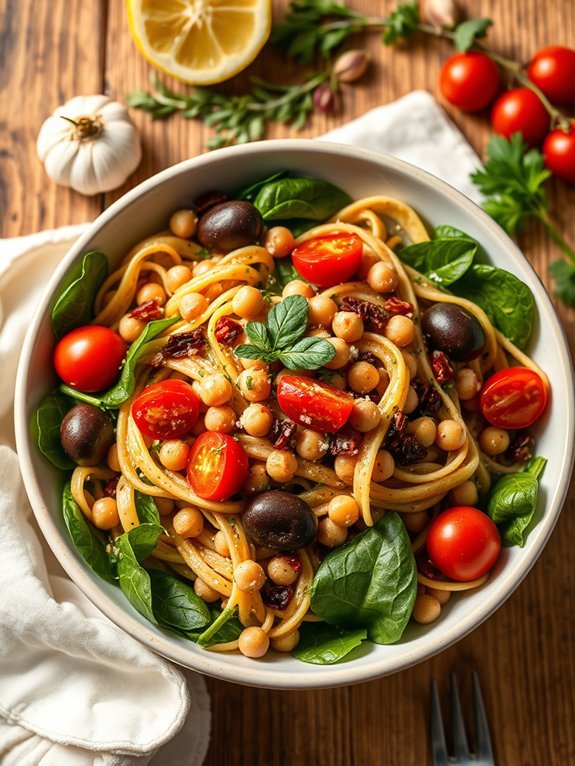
[
  {"x": 484, "y": 749},
  {"x": 460, "y": 745},
  {"x": 438, "y": 746}
]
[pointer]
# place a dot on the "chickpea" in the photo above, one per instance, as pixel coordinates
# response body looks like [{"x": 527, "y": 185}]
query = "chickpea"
[
  {"x": 279, "y": 241},
  {"x": 400, "y": 330},
  {"x": 205, "y": 591},
  {"x": 442, "y": 596},
  {"x": 411, "y": 401},
  {"x": 382, "y": 277},
  {"x": 202, "y": 268},
  {"x": 255, "y": 385},
  {"x": 165, "y": 505},
  {"x": 247, "y": 302},
  {"x": 112, "y": 458},
  {"x": 344, "y": 467},
  {"x": 174, "y": 454},
  {"x": 347, "y": 325},
  {"x": 426, "y": 609},
  {"x": 365, "y": 415},
  {"x": 183, "y": 223},
  {"x": 341, "y": 357},
  {"x": 257, "y": 420},
  {"x": 286, "y": 643},
  {"x": 253, "y": 642},
  {"x": 281, "y": 571},
  {"x": 318, "y": 332},
  {"x": 151, "y": 291},
  {"x": 130, "y": 328},
  {"x": 424, "y": 430},
  {"x": 464, "y": 494},
  {"x": 362, "y": 377},
  {"x": 450, "y": 435},
  {"x": 249, "y": 576},
  {"x": 192, "y": 306},
  {"x": 466, "y": 383},
  {"x": 343, "y": 510},
  {"x": 410, "y": 363},
  {"x": 330, "y": 534},
  {"x": 321, "y": 311},
  {"x": 221, "y": 544},
  {"x": 222, "y": 419},
  {"x": 253, "y": 364},
  {"x": 415, "y": 522},
  {"x": 188, "y": 522},
  {"x": 311, "y": 445},
  {"x": 384, "y": 466},
  {"x": 367, "y": 261},
  {"x": 215, "y": 390},
  {"x": 258, "y": 480},
  {"x": 281, "y": 465},
  {"x": 178, "y": 276},
  {"x": 105, "y": 513},
  {"x": 494, "y": 441},
  {"x": 297, "y": 287}
]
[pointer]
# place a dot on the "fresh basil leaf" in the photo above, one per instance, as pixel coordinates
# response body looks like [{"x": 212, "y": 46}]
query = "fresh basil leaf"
[
  {"x": 507, "y": 301},
  {"x": 46, "y": 425},
  {"x": 258, "y": 333},
  {"x": 323, "y": 644},
  {"x": 309, "y": 198},
  {"x": 124, "y": 388},
  {"x": 371, "y": 582},
  {"x": 86, "y": 539},
  {"x": 75, "y": 298},
  {"x": 444, "y": 261},
  {"x": 468, "y": 32},
  {"x": 147, "y": 509},
  {"x": 175, "y": 604},
  {"x": 307, "y": 354},
  {"x": 247, "y": 351},
  {"x": 249, "y": 193},
  {"x": 513, "y": 501},
  {"x": 287, "y": 321}
]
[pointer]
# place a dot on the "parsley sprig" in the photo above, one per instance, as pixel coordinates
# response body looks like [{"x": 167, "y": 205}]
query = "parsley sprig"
[{"x": 281, "y": 340}]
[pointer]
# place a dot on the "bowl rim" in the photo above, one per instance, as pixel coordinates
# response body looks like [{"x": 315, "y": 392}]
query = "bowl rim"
[{"x": 210, "y": 663}]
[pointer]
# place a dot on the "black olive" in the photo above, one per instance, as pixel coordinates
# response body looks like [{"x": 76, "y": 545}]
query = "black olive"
[
  {"x": 451, "y": 329},
  {"x": 230, "y": 225},
  {"x": 86, "y": 434},
  {"x": 280, "y": 520}
]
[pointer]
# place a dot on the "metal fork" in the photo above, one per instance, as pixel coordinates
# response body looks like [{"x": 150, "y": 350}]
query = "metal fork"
[{"x": 484, "y": 754}]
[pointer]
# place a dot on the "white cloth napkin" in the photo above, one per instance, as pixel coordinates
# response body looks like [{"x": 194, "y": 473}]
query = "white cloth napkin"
[{"x": 74, "y": 689}]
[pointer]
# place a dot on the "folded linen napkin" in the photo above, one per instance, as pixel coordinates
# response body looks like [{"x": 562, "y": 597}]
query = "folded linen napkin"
[{"x": 74, "y": 689}]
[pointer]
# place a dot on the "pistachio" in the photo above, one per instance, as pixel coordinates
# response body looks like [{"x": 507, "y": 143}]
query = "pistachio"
[
  {"x": 440, "y": 13},
  {"x": 351, "y": 65}
]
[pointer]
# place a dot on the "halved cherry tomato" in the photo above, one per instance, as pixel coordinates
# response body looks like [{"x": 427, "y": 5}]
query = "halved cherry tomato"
[
  {"x": 469, "y": 81},
  {"x": 217, "y": 467},
  {"x": 513, "y": 398},
  {"x": 166, "y": 410},
  {"x": 89, "y": 358},
  {"x": 314, "y": 404},
  {"x": 463, "y": 543},
  {"x": 327, "y": 261},
  {"x": 520, "y": 111},
  {"x": 552, "y": 69}
]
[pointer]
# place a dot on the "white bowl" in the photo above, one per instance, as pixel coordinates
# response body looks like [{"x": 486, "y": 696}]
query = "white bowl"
[{"x": 145, "y": 210}]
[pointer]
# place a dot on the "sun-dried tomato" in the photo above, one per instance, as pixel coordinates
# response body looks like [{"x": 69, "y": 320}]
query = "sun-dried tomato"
[
  {"x": 179, "y": 346},
  {"x": 429, "y": 398},
  {"x": 227, "y": 331},
  {"x": 345, "y": 442},
  {"x": 277, "y": 596},
  {"x": 207, "y": 201},
  {"x": 521, "y": 448},
  {"x": 442, "y": 370},
  {"x": 147, "y": 311},
  {"x": 282, "y": 433},
  {"x": 373, "y": 316},
  {"x": 404, "y": 447},
  {"x": 110, "y": 488},
  {"x": 394, "y": 305}
]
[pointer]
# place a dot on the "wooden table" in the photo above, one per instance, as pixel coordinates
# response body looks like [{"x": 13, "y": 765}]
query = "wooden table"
[{"x": 51, "y": 51}]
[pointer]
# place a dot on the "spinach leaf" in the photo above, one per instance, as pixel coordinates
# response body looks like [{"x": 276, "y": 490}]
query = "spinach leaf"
[
  {"x": 450, "y": 232},
  {"x": 225, "y": 627},
  {"x": 444, "y": 261},
  {"x": 147, "y": 509},
  {"x": 175, "y": 604},
  {"x": 370, "y": 582},
  {"x": 309, "y": 198},
  {"x": 134, "y": 546},
  {"x": 87, "y": 541},
  {"x": 513, "y": 501},
  {"x": 251, "y": 192},
  {"x": 75, "y": 301},
  {"x": 47, "y": 421},
  {"x": 507, "y": 301},
  {"x": 323, "y": 644}
]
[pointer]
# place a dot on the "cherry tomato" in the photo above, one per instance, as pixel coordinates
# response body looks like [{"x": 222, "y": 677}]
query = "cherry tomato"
[
  {"x": 314, "y": 404},
  {"x": 89, "y": 358},
  {"x": 469, "y": 81},
  {"x": 217, "y": 467},
  {"x": 552, "y": 69},
  {"x": 513, "y": 398},
  {"x": 463, "y": 543},
  {"x": 520, "y": 111},
  {"x": 327, "y": 261},
  {"x": 166, "y": 410},
  {"x": 559, "y": 152}
]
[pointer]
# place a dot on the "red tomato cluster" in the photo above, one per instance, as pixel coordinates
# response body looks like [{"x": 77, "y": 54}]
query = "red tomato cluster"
[{"x": 471, "y": 81}]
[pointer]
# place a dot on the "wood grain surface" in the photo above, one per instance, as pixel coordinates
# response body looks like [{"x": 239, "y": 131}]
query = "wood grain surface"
[{"x": 525, "y": 654}]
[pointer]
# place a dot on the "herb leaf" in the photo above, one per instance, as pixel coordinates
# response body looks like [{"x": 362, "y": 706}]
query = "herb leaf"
[
  {"x": 47, "y": 421},
  {"x": 309, "y": 198},
  {"x": 468, "y": 32},
  {"x": 513, "y": 501},
  {"x": 323, "y": 644},
  {"x": 175, "y": 604},
  {"x": 444, "y": 261},
  {"x": 308, "y": 354},
  {"x": 401, "y": 23},
  {"x": 287, "y": 321},
  {"x": 564, "y": 274},
  {"x": 75, "y": 299},
  {"x": 258, "y": 333},
  {"x": 147, "y": 509},
  {"x": 134, "y": 546}
]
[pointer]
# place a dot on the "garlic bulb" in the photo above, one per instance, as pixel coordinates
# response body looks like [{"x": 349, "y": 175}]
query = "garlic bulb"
[{"x": 90, "y": 144}]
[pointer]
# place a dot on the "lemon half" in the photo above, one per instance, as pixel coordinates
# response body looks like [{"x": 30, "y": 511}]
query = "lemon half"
[{"x": 200, "y": 42}]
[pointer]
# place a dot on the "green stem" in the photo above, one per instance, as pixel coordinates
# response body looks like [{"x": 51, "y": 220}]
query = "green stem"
[
  {"x": 220, "y": 620},
  {"x": 80, "y": 396},
  {"x": 256, "y": 106},
  {"x": 542, "y": 215}
]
